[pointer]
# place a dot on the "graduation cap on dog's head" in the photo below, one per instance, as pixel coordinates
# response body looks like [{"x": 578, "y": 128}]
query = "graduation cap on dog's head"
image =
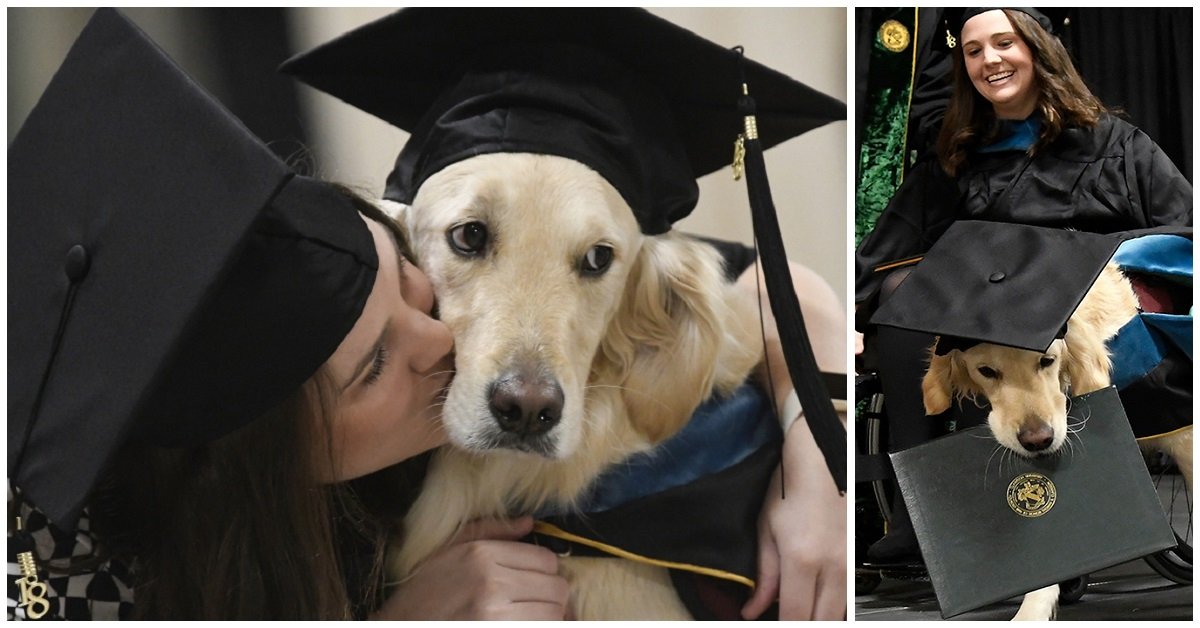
[
  {"x": 1000, "y": 283},
  {"x": 169, "y": 278},
  {"x": 647, "y": 104}
]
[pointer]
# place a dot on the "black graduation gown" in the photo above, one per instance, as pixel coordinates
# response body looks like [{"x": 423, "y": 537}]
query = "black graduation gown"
[{"x": 1108, "y": 179}]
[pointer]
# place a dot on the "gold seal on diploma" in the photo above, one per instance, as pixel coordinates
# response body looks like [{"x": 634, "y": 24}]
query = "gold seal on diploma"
[{"x": 1031, "y": 495}]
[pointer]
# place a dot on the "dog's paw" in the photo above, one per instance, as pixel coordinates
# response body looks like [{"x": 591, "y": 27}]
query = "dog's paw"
[{"x": 1040, "y": 605}]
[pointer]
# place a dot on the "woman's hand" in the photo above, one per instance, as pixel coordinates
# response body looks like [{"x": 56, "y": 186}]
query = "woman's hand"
[
  {"x": 802, "y": 539},
  {"x": 484, "y": 573}
]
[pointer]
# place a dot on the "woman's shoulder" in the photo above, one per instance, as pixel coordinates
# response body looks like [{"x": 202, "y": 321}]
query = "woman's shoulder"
[
  {"x": 1108, "y": 138},
  {"x": 1117, "y": 128}
]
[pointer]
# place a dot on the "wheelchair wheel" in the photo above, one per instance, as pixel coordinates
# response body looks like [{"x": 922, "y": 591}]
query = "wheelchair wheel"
[
  {"x": 866, "y": 581},
  {"x": 876, "y": 439},
  {"x": 1174, "y": 564},
  {"x": 1070, "y": 591}
]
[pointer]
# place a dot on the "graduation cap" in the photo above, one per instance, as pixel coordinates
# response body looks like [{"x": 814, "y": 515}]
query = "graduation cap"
[
  {"x": 169, "y": 278},
  {"x": 1001, "y": 283},
  {"x": 1052, "y": 20},
  {"x": 647, "y": 104}
]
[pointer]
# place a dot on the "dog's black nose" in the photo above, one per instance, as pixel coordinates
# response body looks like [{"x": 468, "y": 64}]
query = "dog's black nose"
[
  {"x": 1036, "y": 436},
  {"x": 526, "y": 403}
]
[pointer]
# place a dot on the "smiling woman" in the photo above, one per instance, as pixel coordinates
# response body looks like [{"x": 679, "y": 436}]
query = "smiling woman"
[
  {"x": 1023, "y": 140},
  {"x": 1000, "y": 65},
  {"x": 1015, "y": 88}
]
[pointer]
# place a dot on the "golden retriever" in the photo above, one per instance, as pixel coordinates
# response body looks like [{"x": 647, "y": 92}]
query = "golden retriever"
[
  {"x": 579, "y": 341},
  {"x": 1027, "y": 389}
]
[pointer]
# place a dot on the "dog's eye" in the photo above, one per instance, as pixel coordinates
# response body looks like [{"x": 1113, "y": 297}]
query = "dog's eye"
[
  {"x": 597, "y": 260},
  {"x": 1046, "y": 361},
  {"x": 988, "y": 372},
  {"x": 468, "y": 238}
]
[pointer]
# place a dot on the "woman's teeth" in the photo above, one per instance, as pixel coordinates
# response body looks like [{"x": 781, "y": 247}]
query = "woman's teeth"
[{"x": 999, "y": 77}]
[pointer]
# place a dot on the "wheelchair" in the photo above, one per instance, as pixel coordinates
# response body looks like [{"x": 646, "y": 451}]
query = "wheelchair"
[{"x": 876, "y": 490}]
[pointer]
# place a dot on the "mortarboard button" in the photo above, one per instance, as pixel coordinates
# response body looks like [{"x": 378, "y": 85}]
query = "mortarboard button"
[
  {"x": 996, "y": 277},
  {"x": 77, "y": 263}
]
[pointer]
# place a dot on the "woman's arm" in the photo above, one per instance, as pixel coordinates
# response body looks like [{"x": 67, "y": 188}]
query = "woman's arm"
[
  {"x": 802, "y": 538},
  {"x": 1163, "y": 191},
  {"x": 916, "y": 216}
]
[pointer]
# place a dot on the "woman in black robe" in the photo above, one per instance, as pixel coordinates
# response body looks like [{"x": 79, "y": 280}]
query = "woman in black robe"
[
  {"x": 1069, "y": 163},
  {"x": 1025, "y": 141}
]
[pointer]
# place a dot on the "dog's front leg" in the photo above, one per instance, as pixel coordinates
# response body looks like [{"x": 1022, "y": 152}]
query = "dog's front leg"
[
  {"x": 439, "y": 512},
  {"x": 1040, "y": 605},
  {"x": 616, "y": 589},
  {"x": 1178, "y": 446}
]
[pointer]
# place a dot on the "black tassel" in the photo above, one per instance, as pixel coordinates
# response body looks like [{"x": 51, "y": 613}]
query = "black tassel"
[{"x": 823, "y": 422}]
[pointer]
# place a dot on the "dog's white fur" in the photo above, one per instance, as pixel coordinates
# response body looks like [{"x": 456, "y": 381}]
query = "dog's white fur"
[
  {"x": 635, "y": 350},
  {"x": 1029, "y": 391}
]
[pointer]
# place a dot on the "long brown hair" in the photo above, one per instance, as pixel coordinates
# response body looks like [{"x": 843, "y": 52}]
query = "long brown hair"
[
  {"x": 1064, "y": 100},
  {"x": 237, "y": 528},
  {"x": 242, "y": 527}
]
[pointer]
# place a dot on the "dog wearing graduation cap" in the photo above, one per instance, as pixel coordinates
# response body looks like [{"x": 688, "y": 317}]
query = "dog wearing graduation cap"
[
  {"x": 1023, "y": 315},
  {"x": 551, "y": 151}
]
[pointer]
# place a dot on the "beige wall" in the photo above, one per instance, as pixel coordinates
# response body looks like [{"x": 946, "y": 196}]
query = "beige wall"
[{"x": 808, "y": 174}]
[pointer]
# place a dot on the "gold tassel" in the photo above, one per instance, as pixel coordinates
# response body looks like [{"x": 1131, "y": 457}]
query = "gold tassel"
[{"x": 33, "y": 592}]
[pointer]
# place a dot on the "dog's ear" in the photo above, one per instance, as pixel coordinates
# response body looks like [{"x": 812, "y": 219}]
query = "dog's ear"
[
  {"x": 679, "y": 332},
  {"x": 936, "y": 387},
  {"x": 946, "y": 379},
  {"x": 1085, "y": 359},
  {"x": 397, "y": 211},
  {"x": 401, "y": 215}
]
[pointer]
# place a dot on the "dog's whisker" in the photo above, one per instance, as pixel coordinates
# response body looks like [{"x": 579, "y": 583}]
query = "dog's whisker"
[
  {"x": 1000, "y": 465},
  {"x": 434, "y": 374}
]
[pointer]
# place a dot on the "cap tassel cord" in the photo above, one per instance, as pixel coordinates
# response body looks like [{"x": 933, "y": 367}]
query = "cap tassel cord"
[
  {"x": 37, "y": 401},
  {"x": 826, "y": 428}
]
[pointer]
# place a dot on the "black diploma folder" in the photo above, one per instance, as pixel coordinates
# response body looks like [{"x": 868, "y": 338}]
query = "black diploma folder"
[{"x": 993, "y": 525}]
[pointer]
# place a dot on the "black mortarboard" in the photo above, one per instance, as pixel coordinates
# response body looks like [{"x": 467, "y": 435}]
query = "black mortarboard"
[
  {"x": 649, "y": 105},
  {"x": 953, "y": 19},
  {"x": 1002, "y": 283},
  {"x": 169, "y": 278}
]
